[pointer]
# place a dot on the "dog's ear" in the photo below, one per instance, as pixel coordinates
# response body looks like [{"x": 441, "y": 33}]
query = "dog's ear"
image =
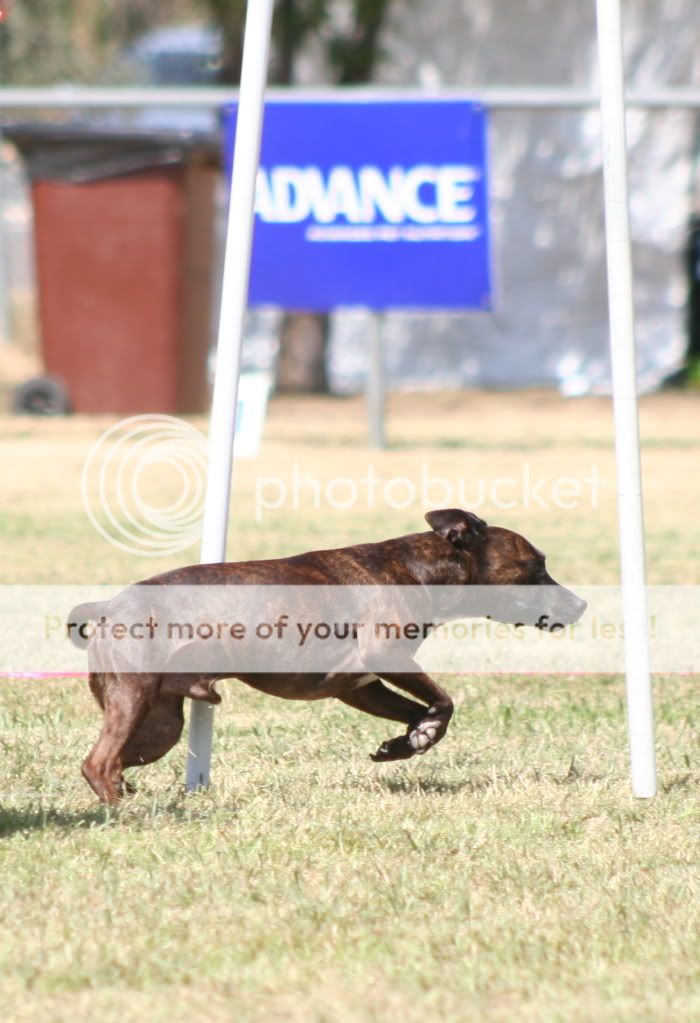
[{"x": 462, "y": 529}]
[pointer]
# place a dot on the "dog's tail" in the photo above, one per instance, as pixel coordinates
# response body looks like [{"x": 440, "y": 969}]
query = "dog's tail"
[{"x": 79, "y": 619}]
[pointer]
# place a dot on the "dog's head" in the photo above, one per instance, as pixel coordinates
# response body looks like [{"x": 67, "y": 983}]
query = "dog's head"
[{"x": 525, "y": 591}]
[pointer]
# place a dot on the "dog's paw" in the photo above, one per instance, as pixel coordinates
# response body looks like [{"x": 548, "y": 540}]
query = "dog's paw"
[
  {"x": 394, "y": 749},
  {"x": 424, "y": 735}
]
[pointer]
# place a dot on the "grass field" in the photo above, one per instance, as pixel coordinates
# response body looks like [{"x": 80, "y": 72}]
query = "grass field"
[{"x": 508, "y": 875}]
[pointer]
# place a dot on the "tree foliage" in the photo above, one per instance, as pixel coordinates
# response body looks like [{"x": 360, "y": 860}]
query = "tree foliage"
[
  {"x": 349, "y": 31},
  {"x": 49, "y": 41}
]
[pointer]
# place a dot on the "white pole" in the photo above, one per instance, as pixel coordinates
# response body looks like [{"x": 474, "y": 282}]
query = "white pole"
[
  {"x": 234, "y": 297},
  {"x": 375, "y": 388},
  {"x": 4, "y": 279},
  {"x": 640, "y": 712},
  {"x": 498, "y": 97}
]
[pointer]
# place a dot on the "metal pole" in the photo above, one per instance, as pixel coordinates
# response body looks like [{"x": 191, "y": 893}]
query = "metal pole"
[
  {"x": 376, "y": 390},
  {"x": 4, "y": 278},
  {"x": 239, "y": 236},
  {"x": 640, "y": 711},
  {"x": 508, "y": 97}
]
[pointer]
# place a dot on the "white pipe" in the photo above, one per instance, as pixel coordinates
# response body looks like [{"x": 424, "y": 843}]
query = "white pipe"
[
  {"x": 234, "y": 298},
  {"x": 4, "y": 281},
  {"x": 376, "y": 387},
  {"x": 512, "y": 97},
  {"x": 629, "y": 487}
]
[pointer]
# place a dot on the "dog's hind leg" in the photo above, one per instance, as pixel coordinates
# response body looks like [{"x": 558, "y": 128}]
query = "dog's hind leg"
[
  {"x": 96, "y": 683},
  {"x": 126, "y": 698},
  {"x": 162, "y": 726},
  {"x": 158, "y": 732}
]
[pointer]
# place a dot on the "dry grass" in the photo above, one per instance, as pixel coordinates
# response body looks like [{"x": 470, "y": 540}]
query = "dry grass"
[{"x": 509, "y": 875}]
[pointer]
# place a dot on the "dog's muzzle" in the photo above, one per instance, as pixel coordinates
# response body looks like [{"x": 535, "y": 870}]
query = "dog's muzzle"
[{"x": 566, "y": 610}]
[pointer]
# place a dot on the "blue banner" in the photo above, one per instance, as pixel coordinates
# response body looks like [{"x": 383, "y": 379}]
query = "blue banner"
[{"x": 374, "y": 203}]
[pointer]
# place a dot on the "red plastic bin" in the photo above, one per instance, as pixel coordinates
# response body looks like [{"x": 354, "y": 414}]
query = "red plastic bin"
[{"x": 123, "y": 225}]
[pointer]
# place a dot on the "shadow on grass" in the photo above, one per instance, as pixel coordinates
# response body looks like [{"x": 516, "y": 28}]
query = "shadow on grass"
[
  {"x": 13, "y": 822},
  {"x": 132, "y": 813},
  {"x": 681, "y": 781},
  {"x": 440, "y": 786},
  {"x": 484, "y": 782}
]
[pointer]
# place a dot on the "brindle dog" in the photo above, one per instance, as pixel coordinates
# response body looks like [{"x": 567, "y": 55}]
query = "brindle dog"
[{"x": 143, "y": 710}]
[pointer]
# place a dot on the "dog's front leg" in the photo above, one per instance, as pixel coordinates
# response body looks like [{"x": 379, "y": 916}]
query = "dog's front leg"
[
  {"x": 431, "y": 726},
  {"x": 376, "y": 699}
]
